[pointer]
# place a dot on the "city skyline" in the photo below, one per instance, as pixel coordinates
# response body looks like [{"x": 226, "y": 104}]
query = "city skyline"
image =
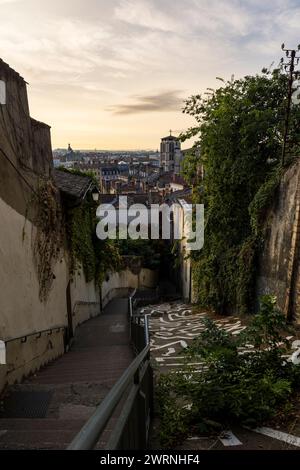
[{"x": 114, "y": 75}]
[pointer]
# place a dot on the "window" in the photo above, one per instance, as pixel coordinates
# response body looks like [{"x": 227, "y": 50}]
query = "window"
[{"x": 2, "y": 92}]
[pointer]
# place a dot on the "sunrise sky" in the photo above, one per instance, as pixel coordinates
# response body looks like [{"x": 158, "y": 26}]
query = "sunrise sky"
[{"x": 113, "y": 74}]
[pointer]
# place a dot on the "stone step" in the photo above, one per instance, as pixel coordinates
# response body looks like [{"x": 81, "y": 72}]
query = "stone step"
[
  {"x": 20, "y": 425},
  {"x": 38, "y": 433}
]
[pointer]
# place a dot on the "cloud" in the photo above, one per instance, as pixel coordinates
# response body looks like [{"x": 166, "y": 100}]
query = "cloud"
[
  {"x": 105, "y": 56},
  {"x": 57, "y": 50},
  {"x": 162, "y": 40},
  {"x": 191, "y": 17},
  {"x": 162, "y": 102},
  {"x": 145, "y": 14}
]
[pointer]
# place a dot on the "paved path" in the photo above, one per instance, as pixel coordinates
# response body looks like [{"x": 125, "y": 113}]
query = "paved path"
[
  {"x": 73, "y": 385},
  {"x": 172, "y": 327}
]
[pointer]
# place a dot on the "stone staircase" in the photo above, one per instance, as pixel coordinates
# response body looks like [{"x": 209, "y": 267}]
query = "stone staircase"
[{"x": 48, "y": 409}]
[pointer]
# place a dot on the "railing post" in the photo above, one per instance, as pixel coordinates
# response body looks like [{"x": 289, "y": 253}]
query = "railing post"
[
  {"x": 151, "y": 389},
  {"x": 142, "y": 418},
  {"x": 146, "y": 329}
]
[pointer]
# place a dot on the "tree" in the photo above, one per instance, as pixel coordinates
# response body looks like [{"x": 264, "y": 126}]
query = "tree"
[{"x": 239, "y": 129}]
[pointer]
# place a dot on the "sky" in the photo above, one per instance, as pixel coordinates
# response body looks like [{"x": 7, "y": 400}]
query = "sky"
[{"x": 114, "y": 74}]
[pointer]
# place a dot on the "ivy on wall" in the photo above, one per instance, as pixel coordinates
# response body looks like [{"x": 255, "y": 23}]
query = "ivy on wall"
[{"x": 96, "y": 257}]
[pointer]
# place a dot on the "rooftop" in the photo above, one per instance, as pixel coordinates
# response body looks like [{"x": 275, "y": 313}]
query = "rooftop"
[
  {"x": 71, "y": 184},
  {"x": 170, "y": 137},
  {"x": 185, "y": 194}
]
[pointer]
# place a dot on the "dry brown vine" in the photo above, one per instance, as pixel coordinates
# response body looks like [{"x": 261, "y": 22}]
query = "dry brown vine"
[{"x": 48, "y": 240}]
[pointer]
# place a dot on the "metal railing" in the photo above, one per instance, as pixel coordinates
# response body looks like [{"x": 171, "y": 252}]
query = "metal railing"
[
  {"x": 133, "y": 392},
  {"x": 38, "y": 334},
  {"x": 56, "y": 328}
]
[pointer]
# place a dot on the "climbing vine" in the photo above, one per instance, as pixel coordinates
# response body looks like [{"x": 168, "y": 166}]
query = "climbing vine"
[
  {"x": 48, "y": 240},
  {"x": 79, "y": 229},
  {"x": 94, "y": 256}
]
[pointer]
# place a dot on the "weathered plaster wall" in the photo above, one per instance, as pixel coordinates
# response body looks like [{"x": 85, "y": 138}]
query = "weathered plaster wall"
[
  {"x": 21, "y": 312},
  {"x": 24, "y": 358},
  {"x": 279, "y": 267}
]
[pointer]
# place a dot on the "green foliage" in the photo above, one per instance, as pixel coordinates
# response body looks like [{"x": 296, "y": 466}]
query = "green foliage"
[
  {"x": 267, "y": 326},
  {"x": 148, "y": 250},
  {"x": 262, "y": 200},
  {"x": 232, "y": 387},
  {"x": 189, "y": 167},
  {"x": 174, "y": 419},
  {"x": 239, "y": 130},
  {"x": 108, "y": 258},
  {"x": 95, "y": 256},
  {"x": 81, "y": 240}
]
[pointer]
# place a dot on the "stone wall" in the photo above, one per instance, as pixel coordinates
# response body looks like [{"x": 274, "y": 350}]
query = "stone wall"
[{"x": 279, "y": 266}]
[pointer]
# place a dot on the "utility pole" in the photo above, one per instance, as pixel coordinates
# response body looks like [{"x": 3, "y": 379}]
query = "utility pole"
[{"x": 293, "y": 60}]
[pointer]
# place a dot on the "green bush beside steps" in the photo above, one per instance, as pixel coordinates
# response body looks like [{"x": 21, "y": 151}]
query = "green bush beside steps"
[{"x": 231, "y": 388}]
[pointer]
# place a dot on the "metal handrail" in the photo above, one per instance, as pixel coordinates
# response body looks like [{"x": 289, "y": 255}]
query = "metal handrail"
[
  {"x": 89, "y": 435},
  {"x": 131, "y": 303},
  {"x": 48, "y": 330},
  {"x": 91, "y": 431},
  {"x": 35, "y": 333}
]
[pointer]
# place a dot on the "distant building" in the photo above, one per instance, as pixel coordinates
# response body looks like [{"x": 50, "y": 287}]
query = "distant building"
[
  {"x": 183, "y": 274},
  {"x": 170, "y": 154}
]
